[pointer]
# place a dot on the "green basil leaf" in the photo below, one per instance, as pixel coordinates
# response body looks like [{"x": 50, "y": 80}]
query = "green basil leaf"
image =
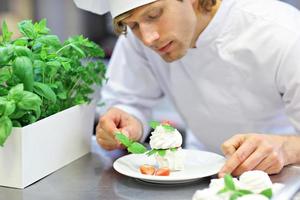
[
  {"x": 27, "y": 29},
  {"x": 162, "y": 152},
  {"x": 5, "y": 129},
  {"x": 50, "y": 40},
  {"x": 3, "y": 91},
  {"x": 6, "y": 34},
  {"x": 6, "y": 54},
  {"x": 224, "y": 190},
  {"x": 137, "y": 148},
  {"x": 30, "y": 101},
  {"x": 44, "y": 91},
  {"x": 23, "y": 41},
  {"x": 4, "y": 74},
  {"x": 41, "y": 27},
  {"x": 244, "y": 192},
  {"x": 22, "y": 51},
  {"x": 154, "y": 124},
  {"x": 168, "y": 128},
  {"x": 228, "y": 181},
  {"x": 267, "y": 193},
  {"x": 123, "y": 139},
  {"x": 19, "y": 113},
  {"x": 24, "y": 71},
  {"x": 16, "y": 93},
  {"x": 234, "y": 196},
  {"x": 9, "y": 108},
  {"x": 151, "y": 152}
]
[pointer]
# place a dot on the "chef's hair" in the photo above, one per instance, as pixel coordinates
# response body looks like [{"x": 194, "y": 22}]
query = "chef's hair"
[{"x": 121, "y": 28}]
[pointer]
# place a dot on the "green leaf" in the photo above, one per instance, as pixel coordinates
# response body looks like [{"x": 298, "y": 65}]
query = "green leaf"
[
  {"x": 173, "y": 149},
  {"x": 24, "y": 71},
  {"x": 168, "y": 128},
  {"x": 154, "y": 124},
  {"x": 6, "y": 34},
  {"x": 6, "y": 54},
  {"x": 234, "y": 196},
  {"x": 30, "y": 101},
  {"x": 162, "y": 152},
  {"x": 136, "y": 148},
  {"x": 123, "y": 139},
  {"x": 16, "y": 93},
  {"x": 9, "y": 108},
  {"x": 244, "y": 192},
  {"x": 267, "y": 193},
  {"x": 41, "y": 27},
  {"x": 3, "y": 91},
  {"x": 224, "y": 190},
  {"x": 151, "y": 152},
  {"x": 5, "y": 129},
  {"x": 50, "y": 40},
  {"x": 228, "y": 181},
  {"x": 22, "y": 51},
  {"x": 81, "y": 52},
  {"x": 27, "y": 29},
  {"x": 44, "y": 91},
  {"x": 23, "y": 41},
  {"x": 132, "y": 147},
  {"x": 19, "y": 113},
  {"x": 4, "y": 74}
]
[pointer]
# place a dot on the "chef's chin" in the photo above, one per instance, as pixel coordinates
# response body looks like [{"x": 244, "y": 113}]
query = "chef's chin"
[{"x": 173, "y": 56}]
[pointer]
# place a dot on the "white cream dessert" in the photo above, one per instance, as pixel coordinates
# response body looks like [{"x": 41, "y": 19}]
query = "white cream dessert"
[
  {"x": 254, "y": 181},
  {"x": 166, "y": 142}
]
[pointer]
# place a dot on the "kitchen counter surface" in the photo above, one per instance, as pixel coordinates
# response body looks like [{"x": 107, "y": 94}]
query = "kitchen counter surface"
[{"x": 92, "y": 177}]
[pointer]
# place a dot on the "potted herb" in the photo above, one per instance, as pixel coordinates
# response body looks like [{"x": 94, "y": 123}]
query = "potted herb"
[{"x": 45, "y": 95}]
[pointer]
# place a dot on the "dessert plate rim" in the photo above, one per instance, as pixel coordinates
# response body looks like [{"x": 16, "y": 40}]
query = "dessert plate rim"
[{"x": 198, "y": 164}]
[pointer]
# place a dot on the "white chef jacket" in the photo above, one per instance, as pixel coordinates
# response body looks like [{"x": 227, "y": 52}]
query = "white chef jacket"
[{"x": 242, "y": 77}]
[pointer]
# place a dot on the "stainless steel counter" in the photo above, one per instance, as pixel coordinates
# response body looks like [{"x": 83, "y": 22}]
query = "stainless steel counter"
[{"x": 92, "y": 178}]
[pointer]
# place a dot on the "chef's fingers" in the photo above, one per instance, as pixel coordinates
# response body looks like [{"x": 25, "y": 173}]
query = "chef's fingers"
[
  {"x": 265, "y": 164},
  {"x": 106, "y": 140},
  {"x": 108, "y": 125},
  {"x": 106, "y": 145},
  {"x": 252, "y": 161},
  {"x": 241, "y": 154},
  {"x": 230, "y": 146},
  {"x": 277, "y": 164}
]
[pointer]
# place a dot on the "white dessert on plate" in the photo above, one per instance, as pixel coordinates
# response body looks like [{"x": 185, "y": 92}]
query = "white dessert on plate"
[
  {"x": 254, "y": 181},
  {"x": 166, "y": 142}
]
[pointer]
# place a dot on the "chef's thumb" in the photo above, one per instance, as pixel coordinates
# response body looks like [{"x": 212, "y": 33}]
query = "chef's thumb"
[{"x": 126, "y": 131}]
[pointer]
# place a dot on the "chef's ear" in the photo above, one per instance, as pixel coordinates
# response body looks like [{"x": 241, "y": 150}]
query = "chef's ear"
[{"x": 195, "y": 4}]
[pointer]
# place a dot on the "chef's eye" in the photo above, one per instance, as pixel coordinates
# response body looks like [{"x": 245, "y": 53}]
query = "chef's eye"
[{"x": 154, "y": 14}]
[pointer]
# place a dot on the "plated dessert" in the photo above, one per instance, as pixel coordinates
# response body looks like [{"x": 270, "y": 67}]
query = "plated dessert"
[
  {"x": 165, "y": 143},
  {"x": 251, "y": 185}
]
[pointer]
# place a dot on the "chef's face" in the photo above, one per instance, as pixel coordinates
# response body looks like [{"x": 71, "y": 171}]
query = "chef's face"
[{"x": 169, "y": 27}]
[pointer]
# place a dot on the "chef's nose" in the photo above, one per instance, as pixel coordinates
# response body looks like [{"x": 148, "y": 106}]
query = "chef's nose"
[{"x": 149, "y": 34}]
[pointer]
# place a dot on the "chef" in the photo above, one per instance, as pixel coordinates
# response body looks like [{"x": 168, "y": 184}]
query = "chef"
[{"x": 231, "y": 68}]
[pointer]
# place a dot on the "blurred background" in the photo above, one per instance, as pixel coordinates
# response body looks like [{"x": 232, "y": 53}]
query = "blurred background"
[{"x": 64, "y": 19}]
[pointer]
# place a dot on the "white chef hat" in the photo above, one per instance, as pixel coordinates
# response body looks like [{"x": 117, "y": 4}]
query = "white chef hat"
[{"x": 115, "y": 7}]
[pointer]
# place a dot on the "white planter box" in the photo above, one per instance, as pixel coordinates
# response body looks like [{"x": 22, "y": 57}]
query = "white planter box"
[{"x": 32, "y": 152}]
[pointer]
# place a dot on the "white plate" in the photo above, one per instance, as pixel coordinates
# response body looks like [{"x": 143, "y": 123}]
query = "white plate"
[{"x": 198, "y": 164}]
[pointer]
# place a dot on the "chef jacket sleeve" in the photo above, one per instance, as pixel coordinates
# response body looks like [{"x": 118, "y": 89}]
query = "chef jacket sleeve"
[
  {"x": 288, "y": 80},
  {"x": 132, "y": 85}
]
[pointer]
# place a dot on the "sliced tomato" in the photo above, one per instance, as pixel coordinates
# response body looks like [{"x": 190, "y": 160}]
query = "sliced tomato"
[
  {"x": 164, "y": 171},
  {"x": 147, "y": 169}
]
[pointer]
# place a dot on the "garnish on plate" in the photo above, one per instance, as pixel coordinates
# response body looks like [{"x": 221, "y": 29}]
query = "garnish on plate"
[
  {"x": 132, "y": 146},
  {"x": 229, "y": 186}
]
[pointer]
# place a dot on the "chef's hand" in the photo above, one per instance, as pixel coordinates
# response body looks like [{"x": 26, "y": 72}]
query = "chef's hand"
[
  {"x": 254, "y": 152},
  {"x": 115, "y": 120}
]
